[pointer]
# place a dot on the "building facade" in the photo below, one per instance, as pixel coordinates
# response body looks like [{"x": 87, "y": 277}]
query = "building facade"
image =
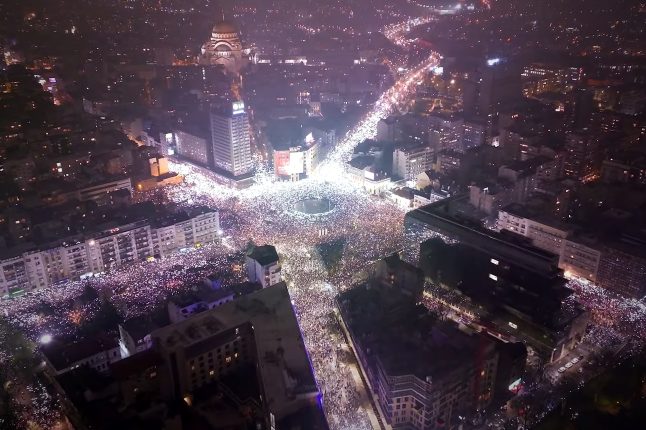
[
  {"x": 192, "y": 147},
  {"x": 223, "y": 48},
  {"x": 104, "y": 250},
  {"x": 231, "y": 140},
  {"x": 410, "y": 161},
  {"x": 263, "y": 266},
  {"x": 575, "y": 256}
]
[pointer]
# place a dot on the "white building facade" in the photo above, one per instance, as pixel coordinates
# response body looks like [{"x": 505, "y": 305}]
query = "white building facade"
[
  {"x": 103, "y": 251},
  {"x": 575, "y": 257}
]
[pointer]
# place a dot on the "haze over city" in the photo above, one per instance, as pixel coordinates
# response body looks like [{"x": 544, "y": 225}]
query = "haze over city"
[{"x": 342, "y": 214}]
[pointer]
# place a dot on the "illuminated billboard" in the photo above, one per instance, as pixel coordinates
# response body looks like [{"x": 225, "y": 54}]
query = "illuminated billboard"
[
  {"x": 281, "y": 163},
  {"x": 288, "y": 163},
  {"x": 238, "y": 107},
  {"x": 296, "y": 162}
]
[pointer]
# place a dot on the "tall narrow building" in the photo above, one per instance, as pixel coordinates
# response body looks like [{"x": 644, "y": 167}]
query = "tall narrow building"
[{"x": 231, "y": 142}]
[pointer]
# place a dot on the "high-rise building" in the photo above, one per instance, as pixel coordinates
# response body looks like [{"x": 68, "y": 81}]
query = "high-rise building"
[
  {"x": 499, "y": 84},
  {"x": 231, "y": 140},
  {"x": 387, "y": 130}
]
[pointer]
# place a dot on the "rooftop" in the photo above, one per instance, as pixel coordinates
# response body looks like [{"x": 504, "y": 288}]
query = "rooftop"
[
  {"x": 276, "y": 332},
  {"x": 139, "y": 327},
  {"x": 264, "y": 255},
  {"x": 201, "y": 293},
  {"x": 403, "y": 336},
  {"x": 62, "y": 355}
]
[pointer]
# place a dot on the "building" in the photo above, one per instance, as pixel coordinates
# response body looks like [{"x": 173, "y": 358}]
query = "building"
[
  {"x": 579, "y": 108},
  {"x": 498, "y": 84},
  {"x": 263, "y": 265},
  {"x": 159, "y": 175},
  {"x": 513, "y": 300},
  {"x": 224, "y": 48},
  {"x": 394, "y": 272},
  {"x": 257, "y": 331},
  {"x": 446, "y": 133},
  {"x": 523, "y": 177},
  {"x": 474, "y": 133},
  {"x": 387, "y": 130},
  {"x": 488, "y": 197},
  {"x": 199, "y": 299},
  {"x": 518, "y": 143},
  {"x": 135, "y": 335},
  {"x": 32, "y": 266},
  {"x": 184, "y": 230},
  {"x": 623, "y": 265},
  {"x": 583, "y": 159},
  {"x": 362, "y": 170},
  {"x": 298, "y": 161},
  {"x": 424, "y": 373},
  {"x": 624, "y": 167},
  {"x": 193, "y": 147},
  {"x": 445, "y": 219},
  {"x": 577, "y": 256},
  {"x": 96, "y": 352},
  {"x": 411, "y": 160},
  {"x": 231, "y": 142},
  {"x": 99, "y": 191}
]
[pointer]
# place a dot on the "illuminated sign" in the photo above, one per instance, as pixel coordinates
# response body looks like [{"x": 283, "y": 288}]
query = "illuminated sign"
[
  {"x": 296, "y": 163},
  {"x": 238, "y": 107},
  {"x": 281, "y": 163}
]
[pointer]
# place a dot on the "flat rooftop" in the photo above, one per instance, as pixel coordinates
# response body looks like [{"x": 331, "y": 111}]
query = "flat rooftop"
[
  {"x": 276, "y": 332},
  {"x": 444, "y": 216},
  {"x": 403, "y": 336}
]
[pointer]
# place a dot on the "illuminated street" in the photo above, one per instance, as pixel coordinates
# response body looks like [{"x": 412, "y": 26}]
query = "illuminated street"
[{"x": 324, "y": 254}]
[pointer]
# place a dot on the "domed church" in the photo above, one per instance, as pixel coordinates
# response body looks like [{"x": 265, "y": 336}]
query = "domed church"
[{"x": 224, "y": 48}]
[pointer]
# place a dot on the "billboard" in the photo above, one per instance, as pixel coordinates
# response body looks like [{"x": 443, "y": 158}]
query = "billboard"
[
  {"x": 289, "y": 162},
  {"x": 296, "y": 162},
  {"x": 281, "y": 163}
]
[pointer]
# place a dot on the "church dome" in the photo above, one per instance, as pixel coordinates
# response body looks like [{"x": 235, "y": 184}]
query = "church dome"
[{"x": 224, "y": 27}]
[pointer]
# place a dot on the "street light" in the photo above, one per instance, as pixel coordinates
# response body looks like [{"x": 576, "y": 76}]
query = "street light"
[{"x": 45, "y": 339}]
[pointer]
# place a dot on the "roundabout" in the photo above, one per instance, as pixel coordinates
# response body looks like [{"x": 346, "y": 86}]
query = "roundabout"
[{"x": 314, "y": 206}]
